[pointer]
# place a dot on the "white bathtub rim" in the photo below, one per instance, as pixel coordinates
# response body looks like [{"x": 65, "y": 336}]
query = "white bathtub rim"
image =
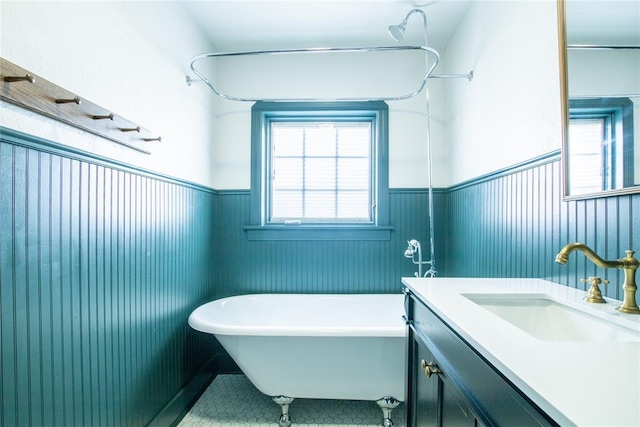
[
  {"x": 199, "y": 321},
  {"x": 292, "y": 331}
]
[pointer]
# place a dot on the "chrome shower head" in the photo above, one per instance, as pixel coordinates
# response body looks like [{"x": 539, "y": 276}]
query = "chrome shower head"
[{"x": 397, "y": 31}]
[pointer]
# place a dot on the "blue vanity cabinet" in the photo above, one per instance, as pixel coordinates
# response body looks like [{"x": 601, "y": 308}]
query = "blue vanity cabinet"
[
  {"x": 450, "y": 384},
  {"x": 436, "y": 400}
]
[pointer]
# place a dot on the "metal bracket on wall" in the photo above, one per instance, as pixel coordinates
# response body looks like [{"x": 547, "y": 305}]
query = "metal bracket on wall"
[{"x": 24, "y": 89}]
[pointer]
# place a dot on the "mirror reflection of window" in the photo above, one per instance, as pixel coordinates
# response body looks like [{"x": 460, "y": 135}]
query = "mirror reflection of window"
[
  {"x": 600, "y": 146},
  {"x": 587, "y": 155}
]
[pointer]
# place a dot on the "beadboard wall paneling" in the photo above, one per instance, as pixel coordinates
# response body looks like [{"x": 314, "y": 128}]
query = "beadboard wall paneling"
[
  {"x": 514, "y": 224},
  {"x": 100, "y": 267},
  {"x": 246, "y": 266}
]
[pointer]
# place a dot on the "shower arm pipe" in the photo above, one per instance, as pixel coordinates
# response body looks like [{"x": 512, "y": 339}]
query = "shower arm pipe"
[
  {"x": 431, "y": 272},
  {"x": 314, "y": 50},
  {"x": 468, "y": 76}
]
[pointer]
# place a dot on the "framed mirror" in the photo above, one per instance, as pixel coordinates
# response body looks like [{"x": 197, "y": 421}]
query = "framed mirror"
[{"x": 600, "y": 75}]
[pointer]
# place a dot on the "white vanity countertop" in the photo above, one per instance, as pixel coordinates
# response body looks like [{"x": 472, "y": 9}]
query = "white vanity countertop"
[{"x": 585, "y": 383}]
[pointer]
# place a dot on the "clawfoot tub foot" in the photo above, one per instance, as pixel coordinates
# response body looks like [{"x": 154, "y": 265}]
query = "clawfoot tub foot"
[
  {"x": 284, "y": 402},
  {"x": 387, "y": 404}
]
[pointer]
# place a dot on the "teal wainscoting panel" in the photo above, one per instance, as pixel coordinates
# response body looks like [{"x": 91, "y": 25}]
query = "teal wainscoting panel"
[
  {"x": 100, "y": 266},
  {"x": 513, "y": 224},
  {"x": 248, "y": 266}
]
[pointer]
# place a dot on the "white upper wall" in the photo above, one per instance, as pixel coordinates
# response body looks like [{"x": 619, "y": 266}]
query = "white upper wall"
[
  {"x": 128, "y": 57},
  {"x": 132, "y": 57},
  {"x": 344, "y": 75},
  {"x": 510, "y": 113}
]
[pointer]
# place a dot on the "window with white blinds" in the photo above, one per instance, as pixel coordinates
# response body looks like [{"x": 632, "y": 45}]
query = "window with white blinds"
[{"x": 321, "y": 171}]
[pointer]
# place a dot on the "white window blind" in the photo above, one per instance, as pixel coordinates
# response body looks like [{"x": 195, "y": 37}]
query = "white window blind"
[
  {"x": 321, "y": 171},
  {"x": 586, "y": 140}
]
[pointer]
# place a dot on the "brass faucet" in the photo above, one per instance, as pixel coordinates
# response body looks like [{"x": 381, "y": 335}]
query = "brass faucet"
[{"x": 628, "y": 264}]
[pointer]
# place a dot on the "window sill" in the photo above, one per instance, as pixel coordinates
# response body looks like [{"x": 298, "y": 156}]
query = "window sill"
[{"x": 310, "y": 232}]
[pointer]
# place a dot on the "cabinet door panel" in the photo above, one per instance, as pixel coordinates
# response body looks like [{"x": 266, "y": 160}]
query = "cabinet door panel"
[
  {"x": 426, "y": 403},
  {"x": 455, "y": 410}
]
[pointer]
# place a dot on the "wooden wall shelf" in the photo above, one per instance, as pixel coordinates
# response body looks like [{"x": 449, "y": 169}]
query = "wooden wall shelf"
[{"x": 28, "y": 90}]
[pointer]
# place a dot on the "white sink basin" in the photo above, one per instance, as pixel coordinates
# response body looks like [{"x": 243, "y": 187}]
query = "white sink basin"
[{"x": 549, "y": 320}]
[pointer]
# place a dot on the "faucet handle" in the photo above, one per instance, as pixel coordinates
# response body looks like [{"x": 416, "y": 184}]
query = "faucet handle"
[
  {"x": 597, "y": 280},
  {"x": 594, "y": 295}
]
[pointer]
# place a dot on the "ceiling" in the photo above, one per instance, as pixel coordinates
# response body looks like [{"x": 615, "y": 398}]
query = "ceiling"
[{"x": 243, "y": 25}]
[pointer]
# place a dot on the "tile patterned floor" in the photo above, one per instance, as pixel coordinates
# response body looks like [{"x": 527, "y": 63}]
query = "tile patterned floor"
[{"x": 232, "y": 401}]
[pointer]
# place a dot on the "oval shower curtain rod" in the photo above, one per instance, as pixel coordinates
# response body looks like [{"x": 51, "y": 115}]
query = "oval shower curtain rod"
[{"x": 317, "y": 50}]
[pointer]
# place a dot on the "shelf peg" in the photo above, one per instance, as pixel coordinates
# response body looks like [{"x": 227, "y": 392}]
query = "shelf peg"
[
  {"x": 135, "y": 129},
  {"x": 74, "y": 100},
  {"x": 110, "y": 116},
  {"x": 159, "y": 139},
  {"x": 27, "y": 78}
]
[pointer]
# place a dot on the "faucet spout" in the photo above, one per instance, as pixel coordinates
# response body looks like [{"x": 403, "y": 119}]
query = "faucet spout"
[
  {"x": 563, "y": 255},
  {"x": 629, "y": 264}
]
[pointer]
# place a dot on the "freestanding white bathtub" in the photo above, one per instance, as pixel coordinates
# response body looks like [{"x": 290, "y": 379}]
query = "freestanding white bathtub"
[{"x": 313, "y": 346}]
